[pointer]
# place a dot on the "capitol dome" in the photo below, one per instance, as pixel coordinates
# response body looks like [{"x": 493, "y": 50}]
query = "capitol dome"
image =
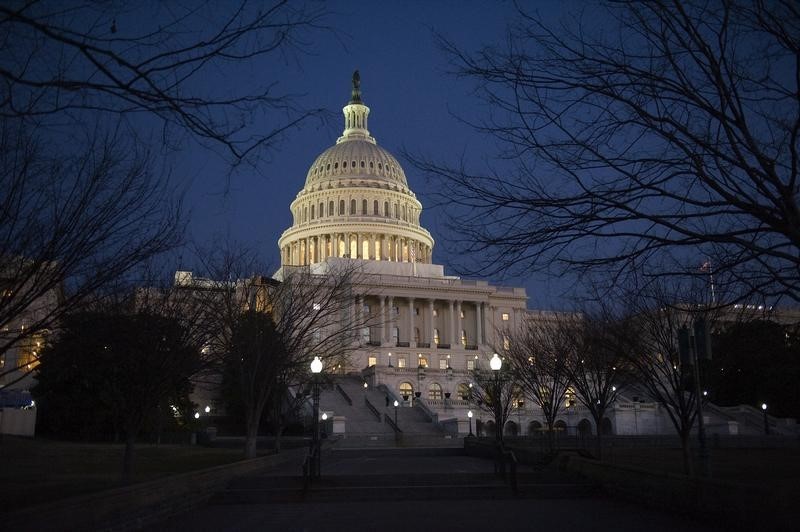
[{"x": 355, "y": 202}]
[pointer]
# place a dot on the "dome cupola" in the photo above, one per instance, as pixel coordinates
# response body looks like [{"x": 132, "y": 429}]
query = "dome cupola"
[{"x": 355, "y": 202}]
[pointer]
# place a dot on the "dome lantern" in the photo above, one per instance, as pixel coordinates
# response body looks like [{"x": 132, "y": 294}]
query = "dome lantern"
[{"x": 355, "y": 115}]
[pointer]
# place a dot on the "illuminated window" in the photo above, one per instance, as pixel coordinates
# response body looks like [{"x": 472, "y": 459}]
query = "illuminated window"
[
  {"x": 463, "y": 392},
  {"x": 434, "y": 391},
  {"x": 504, "y": 316},
  {"x": 436, "y": 336},
  {"x": 401, "y": 361},
  {"x": 423, "y": 361},
  {"x": 372, "y": 361},
  {"x": 435, "y": 312},
  {"x": 471, "y": 364},
  {"x": 406, "y": 389},
  {"x": 463, "y": 338},
  {"x": 442, "y": 363}
]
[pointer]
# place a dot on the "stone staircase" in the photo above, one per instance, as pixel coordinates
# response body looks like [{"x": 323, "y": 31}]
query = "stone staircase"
[
  {"x": 403, "y": 474},
  {"x": 363, "y": 428}
]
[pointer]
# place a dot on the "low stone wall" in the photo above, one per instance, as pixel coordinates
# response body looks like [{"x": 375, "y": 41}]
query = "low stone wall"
[
  {"x": 138, "y": 505},
  {"x": 737, "y": 506}
]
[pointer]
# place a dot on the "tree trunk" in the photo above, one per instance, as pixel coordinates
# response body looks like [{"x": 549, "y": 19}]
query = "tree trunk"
[
  {"x": 127, "y": 457},
  {"x": 251, "y": 437},
  {"x": 598, "y": 439},
  {"x": 687, "y": 455},
  {"x": 551, "y": 435}
]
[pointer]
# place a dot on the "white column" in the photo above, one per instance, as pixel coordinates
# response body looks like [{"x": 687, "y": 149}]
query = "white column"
[
  {"x": 431, "y": 323},
  {"x": 411, "y": 322},
  {"x": 478, "y": 327},
  {"x": 451, "y": 325},
  {"x": 458, "y": 323},
  {"x": 391, "y": 319},
  {"x": 383, "y": 319}
]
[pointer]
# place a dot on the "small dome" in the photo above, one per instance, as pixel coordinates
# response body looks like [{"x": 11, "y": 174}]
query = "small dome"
[{"x": 357, "y": 159}]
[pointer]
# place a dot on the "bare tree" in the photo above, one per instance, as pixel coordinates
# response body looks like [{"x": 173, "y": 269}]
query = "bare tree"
[
  {"x": 654, "y": 318},
  {"x": 82, "y": 84},
  {"x": 595, "y": 364},
  {"x": 63, "y": 61},
  {"x": 266, "y": 332},
  {"x": 69, "y": 226},
  {"x": 538, "y": 355},
  {"x": 658, "y": 134},
  {"x": 495, "y": 392}
]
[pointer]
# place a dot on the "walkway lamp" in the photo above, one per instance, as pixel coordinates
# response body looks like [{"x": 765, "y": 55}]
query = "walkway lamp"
[
  {"x": 766, "y": 420},
  {"x": 396, "y": 404},
  {"x": 316, "y": 369},
  {"x": 496, "y": 364},
  {"x": 469, "y": 415}
]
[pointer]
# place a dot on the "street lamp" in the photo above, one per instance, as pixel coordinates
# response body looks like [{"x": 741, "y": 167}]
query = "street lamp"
[
  {"x": 766, "y": 421},
  {"x": 316, "y": 369},
  {"x": 469, "y": 415},
  {"x": 396, "y": 404},
  {"x": 208, "y": 409},
  {"x": 390, "y": 360},
  {"x": 496, "y": 364}
]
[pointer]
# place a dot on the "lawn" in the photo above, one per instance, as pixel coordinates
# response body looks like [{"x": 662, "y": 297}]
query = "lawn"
[{"x": 36, "y": 470}]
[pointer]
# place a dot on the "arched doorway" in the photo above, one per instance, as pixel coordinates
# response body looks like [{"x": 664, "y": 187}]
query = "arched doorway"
[
  {"x": 488, "y": 428},
  {"x": 511, "y": 429},
  {"x": 560, "y": 426},
  {"x": 435, "y": 391},
  {"x": 605, "y": 427},
  {"x": 406, "y": 390},
  {"x": 534, "y": 428},
  {"x": 584, "y": 428}
]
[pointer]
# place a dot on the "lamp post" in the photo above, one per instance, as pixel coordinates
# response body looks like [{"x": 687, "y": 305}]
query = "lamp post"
[
  {"x": 469, "y": 415},
  {"x": 766, "y": 421},
  {"x": 496, "y": 364},
  {"x": 316, "y": 369},
  {"x": 396, "y": 404}
]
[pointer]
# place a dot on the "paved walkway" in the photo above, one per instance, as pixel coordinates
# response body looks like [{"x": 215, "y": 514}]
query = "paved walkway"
[{"x": 585, "y": 513}]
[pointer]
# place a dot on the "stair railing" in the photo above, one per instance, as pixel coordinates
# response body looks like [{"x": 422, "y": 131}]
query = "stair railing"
[
  {"x": 388, "y": 419},
  {"x": 344, "y": 394},
  {"x": 372, "y": 409}
]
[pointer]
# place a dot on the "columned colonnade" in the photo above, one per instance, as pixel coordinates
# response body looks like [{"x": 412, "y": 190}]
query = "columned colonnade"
[{"x": 369, "y": 246}]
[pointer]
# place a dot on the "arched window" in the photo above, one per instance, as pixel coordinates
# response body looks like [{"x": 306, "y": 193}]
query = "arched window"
[
  {"x": 362, "y": 164},
  {"x": 371, "y": 164},
  {"x": 305, "y": 214},
  {"x": 405, "y": 217},
  {"x": 397, "y": 211},
  {"x": 386, "y": 208},
  {"x": 344, "y": 164},
  {"x": 330, "y": 208},
  {"x": 436, "y": 336},
  {"x": 312, "y": 212},
  {"x": 435, "y": 391},
  {"x": 375, "y": 209},
  {"x": 352, "y": 206},
  {"x": 463, "y": 392},
  {"x": 353, "y": 164},
  {"x": 335, "y": 166},
  {"x": 406, "y": 390},
  {"x": 363, "y": 206},
  {"x": 321, "y": 209},
  {"x": 341, "y": 207}
]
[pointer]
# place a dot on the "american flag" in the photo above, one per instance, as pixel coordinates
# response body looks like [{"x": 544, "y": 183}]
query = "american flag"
[{"x": 706, "y": 266}]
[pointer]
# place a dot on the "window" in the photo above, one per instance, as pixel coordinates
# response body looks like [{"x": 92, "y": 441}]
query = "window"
[
  {"x": 386, "y": 208},
  {"x": 353, "y": 164},
  {"x": 434, "y": 391},
  {"x": 352, "y": 206},
  {"x": 371, "y": 164},
  {"x": 442, "y": 363},
  {"x": 504, "y": 316},
  {"x": 401, "y": 361},
  {"x": 372, "y": 361},
  {"x": 305, "y": 214},
  {"x": 422, "y": 361},
  {"x": 344, "y": 164},
  {"x": 395, "y": 335},
  {"x": 470, "y": 364},
  {"x": 463, "y": 392},
  {"x": 341, "y": 207},
  {"x": 321, "y": 209},
  {"x": 364, "y": 335},
  {"x": 335, "y": 166},
  {"x": 406, "y": 389},
  {"x": 330, "y": 209},
  {"x": 436, "y": 336},
  {"x": 362, "y": 164},
  {"x": 435, "y": 312},
  {"x": 375, "y": 209},
  {"x": 363, "y": 206},
  {"x": 463, "y": 338}
]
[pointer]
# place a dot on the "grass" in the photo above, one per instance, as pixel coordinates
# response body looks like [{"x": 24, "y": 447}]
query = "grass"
[
  {"x": 34, "y": 471},
  {"x": 768, "y": 468}
]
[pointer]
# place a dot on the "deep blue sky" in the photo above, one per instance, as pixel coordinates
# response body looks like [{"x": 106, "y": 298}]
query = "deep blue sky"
[{"x": 414, "y": 104}]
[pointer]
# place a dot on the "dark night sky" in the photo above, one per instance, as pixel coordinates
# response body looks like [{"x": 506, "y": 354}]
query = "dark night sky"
[{"x": 414, "y": 104}]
